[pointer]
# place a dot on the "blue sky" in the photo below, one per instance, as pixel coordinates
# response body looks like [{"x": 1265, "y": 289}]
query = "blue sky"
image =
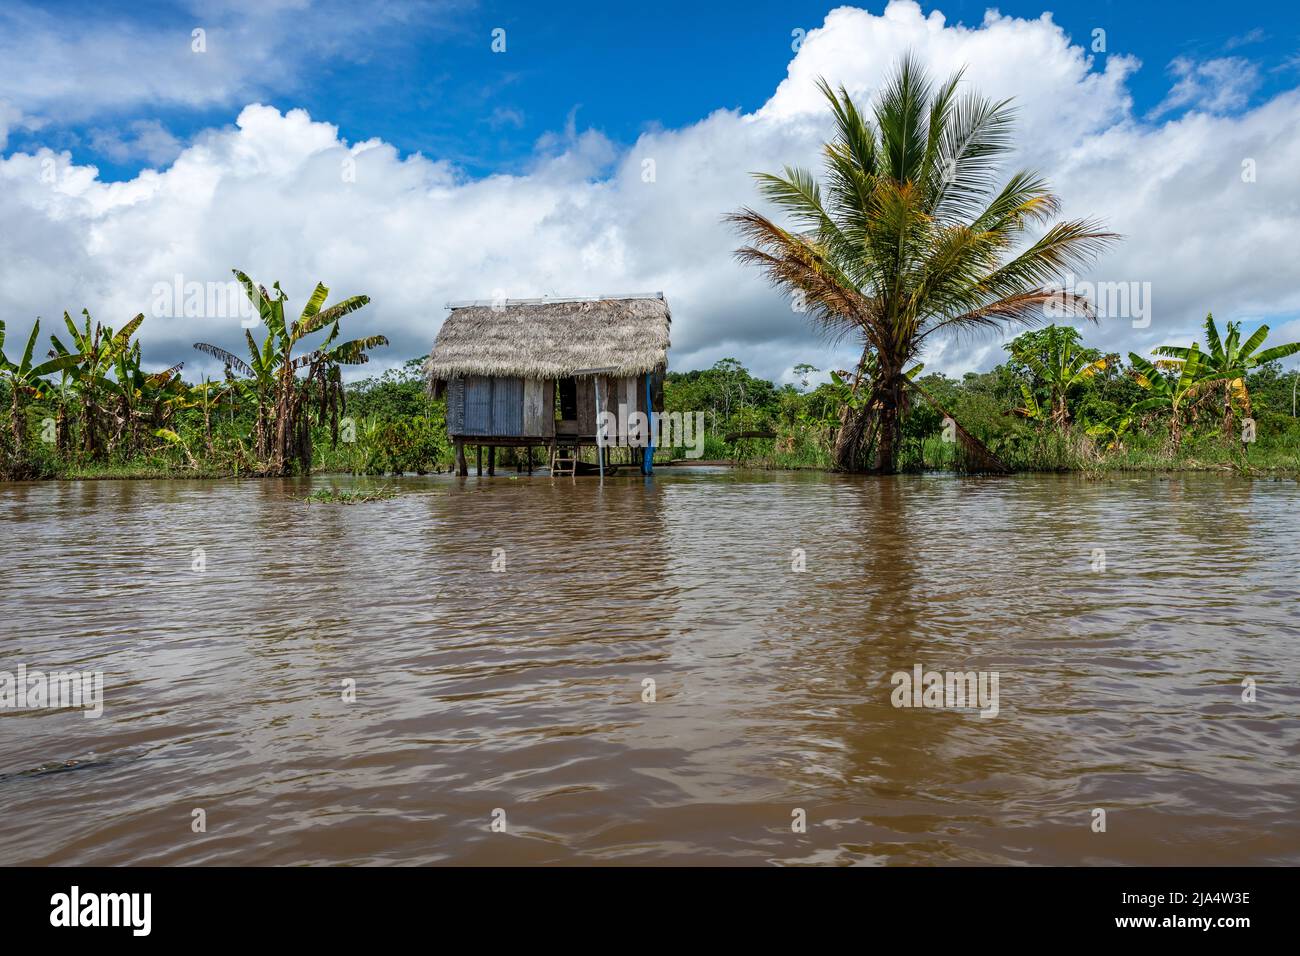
[
  {"x": 434, "y": 85},
  {"x": 520, "y": 170}
]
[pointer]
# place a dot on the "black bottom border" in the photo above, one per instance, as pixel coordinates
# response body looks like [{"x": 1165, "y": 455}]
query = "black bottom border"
[{"x": 332, "y": 905}]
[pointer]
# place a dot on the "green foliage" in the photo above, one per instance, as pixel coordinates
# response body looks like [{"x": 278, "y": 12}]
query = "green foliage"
[
  {"x": 418, "y": 444},
  {"x": 1225, "y": 365},
  {"x": 1051, "y": 364},
  {"x": 1123, "y": 416}
]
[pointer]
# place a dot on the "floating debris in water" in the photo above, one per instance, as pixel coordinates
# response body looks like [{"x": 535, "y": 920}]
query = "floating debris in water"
[
  {"x": 335, "y": 496},
  {"x": 53, "y": 766}
]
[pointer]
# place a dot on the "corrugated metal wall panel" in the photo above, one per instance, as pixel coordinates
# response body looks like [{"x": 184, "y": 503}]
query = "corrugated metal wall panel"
[
  {"x": 478, "y": 405},
  {"x": 456, "y": 406},
  {"x": 507, "y": 407}
]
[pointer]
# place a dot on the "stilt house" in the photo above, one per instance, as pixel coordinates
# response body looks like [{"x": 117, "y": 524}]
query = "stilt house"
[{"x": 537, "y": 372}]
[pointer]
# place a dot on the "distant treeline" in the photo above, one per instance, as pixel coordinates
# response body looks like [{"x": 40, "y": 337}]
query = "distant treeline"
[{"x": 1051, "y": 405}]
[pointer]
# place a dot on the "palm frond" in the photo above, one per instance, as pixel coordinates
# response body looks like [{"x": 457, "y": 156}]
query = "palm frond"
[{"x": 229, "y": 359}]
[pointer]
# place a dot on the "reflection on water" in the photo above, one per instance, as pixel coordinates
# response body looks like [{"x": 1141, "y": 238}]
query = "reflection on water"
[{"x": 523, "y": 690}]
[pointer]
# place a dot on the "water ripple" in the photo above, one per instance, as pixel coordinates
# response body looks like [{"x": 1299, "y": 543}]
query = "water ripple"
[{"x": 526, "y": 690}]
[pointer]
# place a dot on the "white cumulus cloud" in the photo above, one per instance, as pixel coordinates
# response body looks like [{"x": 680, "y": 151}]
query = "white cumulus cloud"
[{"x": 282, "y": 196}]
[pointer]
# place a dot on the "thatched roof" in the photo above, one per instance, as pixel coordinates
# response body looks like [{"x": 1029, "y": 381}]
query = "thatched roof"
[{"x": 552, "y": 338}]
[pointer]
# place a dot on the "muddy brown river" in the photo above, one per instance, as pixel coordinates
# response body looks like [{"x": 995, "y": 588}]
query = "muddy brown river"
[{"x": 524, "y": 671}]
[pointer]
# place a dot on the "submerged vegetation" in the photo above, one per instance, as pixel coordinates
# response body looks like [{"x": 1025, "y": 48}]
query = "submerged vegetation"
[{"x": 349, "y": 496}]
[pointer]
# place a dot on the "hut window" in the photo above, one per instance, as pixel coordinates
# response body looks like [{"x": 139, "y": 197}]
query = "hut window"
[{"x": 566, "y": 399}]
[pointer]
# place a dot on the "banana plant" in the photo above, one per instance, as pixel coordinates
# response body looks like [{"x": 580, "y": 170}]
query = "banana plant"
[
  {"x": 1171, "y": 394},
  {"x": 207, "y": 396},
  {"x": 327, "y": 374},
  {"x": 1228, "y": 362},
  {"x": 28, "y": 380},
  {"x": 283, "y": 396},
  {"x": 1031, "y": 409},
  {"x": 137, "y": 397},
  {"x": 1064, "y": 368},
  {"x": 98, "y": 348},
  {"x": 1110, "y": 430},
  {"x": 258, "y": 384}
]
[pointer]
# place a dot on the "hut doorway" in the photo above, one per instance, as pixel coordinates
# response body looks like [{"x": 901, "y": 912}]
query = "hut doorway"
[{"x": 566, "y": 401}]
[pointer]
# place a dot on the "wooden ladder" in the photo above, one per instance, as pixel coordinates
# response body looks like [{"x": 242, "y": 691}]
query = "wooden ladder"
[{"x": 564, "y": 461}]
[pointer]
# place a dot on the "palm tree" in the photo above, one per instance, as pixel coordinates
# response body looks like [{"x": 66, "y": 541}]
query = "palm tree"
[
  {"x": 26, "y": 380},
  {"x": 1228, "y": 361},
  {"x": 1171, "y": 394},
  {"x": 1063, "y": 367},
  {"x": 909, "y": 236}
]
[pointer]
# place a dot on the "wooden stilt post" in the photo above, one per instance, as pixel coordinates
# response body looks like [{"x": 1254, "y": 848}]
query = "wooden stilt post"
[
  {"x": 530, "y": 459},
  {"x": 462, "y": 468},
  {"x": 478, "y": 461},
  {"x": 492, "y": 459},
  {"x": 600, "y": 448}
]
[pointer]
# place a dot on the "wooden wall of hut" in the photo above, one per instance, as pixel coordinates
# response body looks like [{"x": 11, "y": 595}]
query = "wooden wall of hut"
[
  {"x": 539, "y": 408},
  {"x": 586, "y": 406},
  {"x": 511, "y": 407}
]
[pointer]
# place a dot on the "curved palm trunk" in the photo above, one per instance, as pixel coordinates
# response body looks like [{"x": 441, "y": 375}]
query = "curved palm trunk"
[{"x": 849, "y": 439}]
